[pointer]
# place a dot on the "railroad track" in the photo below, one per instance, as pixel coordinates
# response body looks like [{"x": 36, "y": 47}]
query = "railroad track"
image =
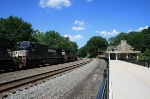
[{"x": 10, "y": 86}]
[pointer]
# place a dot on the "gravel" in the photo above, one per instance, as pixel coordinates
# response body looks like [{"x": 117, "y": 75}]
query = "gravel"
[
  {"x": 63, "y": 86},
  {"x": 88, "y": 88},
  {"x": 6, "y": 77}
]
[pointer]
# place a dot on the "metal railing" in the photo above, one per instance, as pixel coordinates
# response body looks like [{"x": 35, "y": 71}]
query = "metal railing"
[
  {"x": 144, "y": 62},
  {"x": 104, "y": 88}
]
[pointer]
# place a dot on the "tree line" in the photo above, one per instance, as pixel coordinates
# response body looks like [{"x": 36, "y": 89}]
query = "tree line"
[
  {"x": 140, "y": 40},
  {"x": 16, "y": 29}
]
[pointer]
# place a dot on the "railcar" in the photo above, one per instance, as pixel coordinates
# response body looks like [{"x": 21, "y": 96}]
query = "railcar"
[
  {"x": 27, "y": 54},
  {"x": 5, "y": 55},
  {"x": 73, "y": 55},
  {"x": 51, "y": 56},
  {"x": 69, "y": 55},
  {"x": 31, "y": 54}
]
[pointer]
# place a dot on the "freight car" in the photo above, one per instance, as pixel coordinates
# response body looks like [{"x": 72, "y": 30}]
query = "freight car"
[
  {"x": 5, "y": 55},
  {"x": 30, "y": 54},
  {"x": 52, "y": 56},
  {"x": 69, "y": 55}
]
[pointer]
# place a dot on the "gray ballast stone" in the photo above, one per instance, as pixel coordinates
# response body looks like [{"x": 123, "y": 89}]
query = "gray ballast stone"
[{"x": 58, "y": 87}]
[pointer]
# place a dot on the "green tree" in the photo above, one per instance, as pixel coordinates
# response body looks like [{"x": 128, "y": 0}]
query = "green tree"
[
  {"x": 15, "y": 29},
  {"x": 82, "y": 52},
  {"x": 55, "y": 40},
  {"x": 74, "y": 46},
  {"x": 137, "y": 40},
  {"x": 146, "y": 33},
  {"x": 38, "y": 37},
  {"x": 95, "y": 43},
  {"x": 113, "y": 41},
  {"x": 145, "y": 55}
]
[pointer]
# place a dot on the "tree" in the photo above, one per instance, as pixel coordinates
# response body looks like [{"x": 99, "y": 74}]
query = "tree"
[
  {"x": 38, "y": 36},
  {"x": 137, "y": 40},
  {"x": 113, "y": 41},
  {"x": 95, "y": 43},
  {"x": 146, "y": 33},
  {"x": 145, "y": 55},
  {"x": 15, "y": 29},
  {"x": 55, "y": 40},
  {"x": 74, "y": 46},
  {"x": 82, "y": 52}
]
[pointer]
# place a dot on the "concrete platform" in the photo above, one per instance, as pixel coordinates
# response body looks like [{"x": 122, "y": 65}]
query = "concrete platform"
[{"x": 129, "y": 81}]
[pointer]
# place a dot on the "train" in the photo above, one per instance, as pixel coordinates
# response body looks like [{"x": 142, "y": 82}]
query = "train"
[{"x": 27, "y": 54}]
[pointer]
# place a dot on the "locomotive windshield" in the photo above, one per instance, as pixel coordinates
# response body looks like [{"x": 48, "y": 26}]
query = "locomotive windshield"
[{"x": 24, "y": 44}]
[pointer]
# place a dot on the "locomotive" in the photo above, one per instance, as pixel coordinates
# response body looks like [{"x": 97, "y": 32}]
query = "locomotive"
[{"x": 28, "y": 54}]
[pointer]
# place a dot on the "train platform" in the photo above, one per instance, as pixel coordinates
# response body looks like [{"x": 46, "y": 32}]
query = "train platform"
[{"x": 128, "y": 81}]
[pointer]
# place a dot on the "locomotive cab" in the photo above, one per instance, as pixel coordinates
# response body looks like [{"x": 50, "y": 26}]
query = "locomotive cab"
[
  {"x": 19, "y": 54},
  {"x": 26, "y": 53}
]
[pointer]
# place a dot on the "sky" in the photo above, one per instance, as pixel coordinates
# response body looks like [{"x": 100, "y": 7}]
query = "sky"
[{"x": 81, "y": 19}]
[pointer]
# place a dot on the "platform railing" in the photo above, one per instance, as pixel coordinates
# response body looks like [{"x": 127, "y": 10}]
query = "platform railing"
[
  {"x": 104, "y": 88},
  {"x": 144, "y": 62}
]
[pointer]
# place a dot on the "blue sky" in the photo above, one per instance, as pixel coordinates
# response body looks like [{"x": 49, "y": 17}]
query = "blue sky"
[{"x": 81, "y": 19}]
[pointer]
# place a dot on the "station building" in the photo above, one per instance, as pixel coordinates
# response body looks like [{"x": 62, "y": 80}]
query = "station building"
[{"x": 121, "y": 51}]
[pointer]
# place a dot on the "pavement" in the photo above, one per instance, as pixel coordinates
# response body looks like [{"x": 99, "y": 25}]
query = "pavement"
[{"x": 128, "y": 81}]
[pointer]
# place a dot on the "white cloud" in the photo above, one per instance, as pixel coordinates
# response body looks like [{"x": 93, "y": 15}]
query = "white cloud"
[
  {"x": 78, "y": 28},
  {"x": 80, "y": 23},
  {"x": 89, "y": 0},
  {"x": 114, "y": 32},
  {"x": 76, "y": 37},
  {"x": 56, "y": 4},
  {"x": 129, "y": 31},
  {"x": 140, "y": 29}
]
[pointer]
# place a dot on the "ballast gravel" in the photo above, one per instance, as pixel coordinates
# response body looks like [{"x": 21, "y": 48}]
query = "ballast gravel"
[
  {"x": 61, "y": 86},
  {"x": 6, "y": 77}
]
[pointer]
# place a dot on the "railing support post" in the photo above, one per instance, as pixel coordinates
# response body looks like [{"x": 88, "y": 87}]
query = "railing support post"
[
  {"x": 148, "y": 63},
  {"x": 144, "y": 62}
]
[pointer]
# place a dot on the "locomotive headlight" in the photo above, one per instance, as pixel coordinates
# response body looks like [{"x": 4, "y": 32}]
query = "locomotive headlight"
[{"x": 15, "y": 54}]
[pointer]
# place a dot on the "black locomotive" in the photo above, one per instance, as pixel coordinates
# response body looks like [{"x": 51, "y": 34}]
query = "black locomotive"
[{"x": 30, "y": 54}]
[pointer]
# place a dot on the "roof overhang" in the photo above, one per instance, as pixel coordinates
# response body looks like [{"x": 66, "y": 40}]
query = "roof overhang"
[{"x": 122, "y": 52}]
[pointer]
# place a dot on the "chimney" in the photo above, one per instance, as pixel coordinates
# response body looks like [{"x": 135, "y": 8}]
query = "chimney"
[{"x": 123, "y": 42}]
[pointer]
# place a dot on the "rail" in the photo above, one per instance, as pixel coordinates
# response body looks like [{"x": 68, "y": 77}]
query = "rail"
[
  {"x": 104, "y": 88},
  {"x": 10, "y": 86}
]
